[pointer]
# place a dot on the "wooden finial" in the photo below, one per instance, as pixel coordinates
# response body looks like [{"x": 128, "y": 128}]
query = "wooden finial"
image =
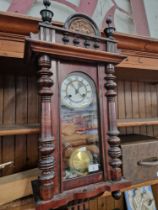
[
  {"x": 46, "y": 3},
  {"x": 110, "y": 29},
  {"x": 116, "y": 195},
  {"x": 46, "y": 14}
]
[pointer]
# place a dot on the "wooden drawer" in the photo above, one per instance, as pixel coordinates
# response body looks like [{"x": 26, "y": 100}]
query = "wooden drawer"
[{"x": 140, "y": 157}]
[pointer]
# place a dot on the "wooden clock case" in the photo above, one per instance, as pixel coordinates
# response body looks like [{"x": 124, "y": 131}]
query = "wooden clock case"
[{"x": 78, "y": 47}]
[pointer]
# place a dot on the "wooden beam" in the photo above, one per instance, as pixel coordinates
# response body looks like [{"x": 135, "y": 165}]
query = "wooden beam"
[
  {"x": 11, "y": 48},
  {"x": 16, "y": 186},
  {"x": 70, "y": 52},
  {"x": 139, "y": 62},
  {"x": 137, "y": 43}
]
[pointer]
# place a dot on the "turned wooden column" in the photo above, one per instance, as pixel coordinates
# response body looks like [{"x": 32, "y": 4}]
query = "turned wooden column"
[
  {"x": 114, "y": 150},
  {"x": 46, "y": 140}
]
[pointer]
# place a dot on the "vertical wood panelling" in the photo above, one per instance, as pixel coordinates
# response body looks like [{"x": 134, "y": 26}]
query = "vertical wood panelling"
[
  {"x": 33, "y": 112},
  {"x": 18, "y": 105},
  {"x": 86, "y": 206},
  {"x": 138, "y": 100},
  {"x": 93, "y": 205},
  {"x": 141, "y": 98},
  {"x": 101, "y": 203},
  {"x": 156, "y": 127},
  {"x": 119, "y": 204},
  {"x": 9, "y": 119},
  {"x": 135, "y": 102},
  {"x": 21, "y": 118},
  {"x": 154, "y": 103},
  {"x": 148, "y": 107},
  {"x": 121, "y": 103},
  {"x": 155, "y": 193},
  {"x": 1, "y": 117},
  {"x": 128, "y": 104},
  {"x": 110, "y": 203}
]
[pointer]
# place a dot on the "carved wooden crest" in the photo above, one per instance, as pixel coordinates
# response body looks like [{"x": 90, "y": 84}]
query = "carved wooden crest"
[{"x": 82, "y": 24}]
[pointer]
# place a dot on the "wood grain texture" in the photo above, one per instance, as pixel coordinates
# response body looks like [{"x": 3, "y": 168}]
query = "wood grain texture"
[
  {"x": 120, "y": 104},
  {"x": 33, "y": 117},
  {"x": 128, "y": 104},
  {"x": 72, "y": 52},
  {"x": 135, "y": 103},
  {"x": 19, "y": 130},
  {"x": 148, "y": 107},
  {"x": 130, "y": 94},
  {"x": 1, "y": 117},
  {"x": 21, "y": 118},
  {"x": 137, "y": 122},
  {"x": 15, "y": 117},
  {"x": 137, "y": 107},
  {"x": 9, "y": 118},
  {"x": 17, "y": 185},
  {"x": 141, "y": 98}
]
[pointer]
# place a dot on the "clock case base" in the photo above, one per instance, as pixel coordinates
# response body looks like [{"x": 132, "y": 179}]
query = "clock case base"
[{"x": 77, "y": 195}]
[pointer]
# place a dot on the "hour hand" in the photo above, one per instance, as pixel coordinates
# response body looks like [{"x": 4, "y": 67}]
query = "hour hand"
[{"x": 72, "y": 85}]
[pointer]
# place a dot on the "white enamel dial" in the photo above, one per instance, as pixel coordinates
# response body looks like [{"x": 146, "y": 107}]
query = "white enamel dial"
[{"x": 77, "y": 91}]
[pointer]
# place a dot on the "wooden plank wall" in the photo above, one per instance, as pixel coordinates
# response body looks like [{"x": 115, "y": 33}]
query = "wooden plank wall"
[
  {"x": 18, "y": 105},
  {"x": 102, "y": 203},
  {"x": 137, "y": 100}
]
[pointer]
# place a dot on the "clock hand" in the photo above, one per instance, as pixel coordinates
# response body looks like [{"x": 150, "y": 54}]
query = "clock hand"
[
  {"x": 82, "y": 94},
  {"x": 79, "y": 85},
  {"x": 76, "y": 90}
]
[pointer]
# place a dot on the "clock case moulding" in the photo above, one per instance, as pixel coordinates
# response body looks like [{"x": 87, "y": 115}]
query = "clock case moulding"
[{"x": 79, "y": 43}]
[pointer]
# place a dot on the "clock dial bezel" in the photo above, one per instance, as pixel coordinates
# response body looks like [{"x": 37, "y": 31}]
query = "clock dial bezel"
[{"x": 77, "y": 91}]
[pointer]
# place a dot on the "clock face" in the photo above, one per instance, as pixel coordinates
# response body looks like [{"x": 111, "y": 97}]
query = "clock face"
[{"x": 77, "y": 91}]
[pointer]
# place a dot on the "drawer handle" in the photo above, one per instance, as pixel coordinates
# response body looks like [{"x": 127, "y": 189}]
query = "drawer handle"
[{"x": 148, "y": 162}]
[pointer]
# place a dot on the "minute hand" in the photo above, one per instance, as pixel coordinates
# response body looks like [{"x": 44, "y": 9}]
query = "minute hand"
[
  {"x": 76, "y": 90},
  {"x": 82, "y": 94}
]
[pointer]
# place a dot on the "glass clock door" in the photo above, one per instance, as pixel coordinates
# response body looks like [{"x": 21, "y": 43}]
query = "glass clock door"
[{"x": 79, "y": 126}]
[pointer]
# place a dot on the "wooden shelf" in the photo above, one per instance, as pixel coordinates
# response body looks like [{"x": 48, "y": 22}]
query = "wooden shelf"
[
  {"x": 7, "y": 130},
  {"x": 19, "y": 183},
  {"x": 136, "y": 122}
]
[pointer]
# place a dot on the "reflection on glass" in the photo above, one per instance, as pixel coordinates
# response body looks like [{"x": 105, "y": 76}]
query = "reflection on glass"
[{"x": 79, "y": 126}]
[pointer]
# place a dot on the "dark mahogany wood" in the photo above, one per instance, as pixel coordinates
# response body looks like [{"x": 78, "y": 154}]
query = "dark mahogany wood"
[
  {"x": 78, "y": 194},
  {"x": 74, "y": 51},
  {"x": 46, "y": 145},
  {"x": 96, "y": 75},
  {"x": 110, "y": 84},
  {"x": 114, "y": 141}
]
